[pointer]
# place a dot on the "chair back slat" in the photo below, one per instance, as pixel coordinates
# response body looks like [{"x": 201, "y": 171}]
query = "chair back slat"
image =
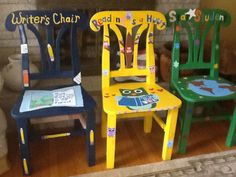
[
  {"x": 190, "y": 41},
  {"x": 196, "y": 41},
  {"x": 136, "y": 43},
  {"x": 215, "y": 52},
  {"x": 56, "y": 25},
  {"x": 150, "y": 59},
  {"x": 120, "y": 39},
  {"x": 50, "y": 47},
  {"x": 61, "y": 32},
  {"x": 129, "y": 45},
  {"x": 44, "y": 61},
  {"x": 203, "y": 40},
  {"x": 74, "y": 50},
  {"x": 134, "y": 24}
]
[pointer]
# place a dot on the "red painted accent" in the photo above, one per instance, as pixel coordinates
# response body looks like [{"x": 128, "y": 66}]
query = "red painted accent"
[
  {"x": 159, "y": 90},
  {"x": 177, "y": 28},
  {"x": 25, "y": 78}
]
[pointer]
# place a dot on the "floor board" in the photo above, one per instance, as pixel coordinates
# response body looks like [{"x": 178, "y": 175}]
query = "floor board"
[{"x": 67, "y": 156}]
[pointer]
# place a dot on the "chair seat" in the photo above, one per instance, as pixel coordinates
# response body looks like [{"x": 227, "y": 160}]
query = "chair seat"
[
  {"x": 204, "y": 88},
  {"x": 137, "y": 97},
  {"x": 89, "y": 104}
]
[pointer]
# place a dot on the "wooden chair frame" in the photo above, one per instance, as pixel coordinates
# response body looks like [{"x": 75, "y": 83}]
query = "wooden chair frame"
[
  {"x": 128, "y": 48},
  {"x": 195, "y": 90}
]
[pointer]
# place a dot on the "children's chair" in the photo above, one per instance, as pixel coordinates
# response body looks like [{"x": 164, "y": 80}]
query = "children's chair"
[
  {"x": 50, "y": 28},
  {"x": 203, "y": 89},
  {"x": 130, "y": 99}
]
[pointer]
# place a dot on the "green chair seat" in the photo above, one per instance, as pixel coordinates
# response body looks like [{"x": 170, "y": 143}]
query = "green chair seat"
[{"x": 203, "y": 88}]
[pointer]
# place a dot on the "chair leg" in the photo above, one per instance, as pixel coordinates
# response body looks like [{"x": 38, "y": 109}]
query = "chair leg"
[
  {"x": 22, "y": 128},
  {"x": 104, "y": 125},
  {"x": 186, "y": 120},
  {"x": 231, "y": 137},
  {"x": 90, "y": 137},
  {"x": 148, "y": 123},
  {"x": 169, "y": 136},
  {"x": 111, "y": 140}
]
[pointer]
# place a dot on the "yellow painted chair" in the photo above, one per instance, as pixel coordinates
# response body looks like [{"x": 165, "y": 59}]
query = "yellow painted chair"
[{"x": 128, "y": 100}]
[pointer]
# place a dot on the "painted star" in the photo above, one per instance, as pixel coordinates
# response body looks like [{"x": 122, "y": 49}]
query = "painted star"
[
  {"x": 191, "y": 13},
  {"x": 176, "y": 64}
]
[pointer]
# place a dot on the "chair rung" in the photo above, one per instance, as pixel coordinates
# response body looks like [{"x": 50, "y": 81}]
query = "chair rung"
[
  {"x": 211, "y": 118},
  {"x": 56, "y": 135},
  {"x": 159, "y": 121},
  {"x": 133, "y": 115}
]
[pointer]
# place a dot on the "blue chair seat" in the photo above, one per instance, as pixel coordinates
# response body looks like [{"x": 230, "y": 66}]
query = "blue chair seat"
[
  {"x": 203, "y": 88},
  {"x": 89, "y": 104}
]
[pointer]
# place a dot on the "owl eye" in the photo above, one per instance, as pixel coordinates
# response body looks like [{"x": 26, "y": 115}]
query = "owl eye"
[
  {"x": 126, "y": 92},
  {"x": 138, "y": 91}
]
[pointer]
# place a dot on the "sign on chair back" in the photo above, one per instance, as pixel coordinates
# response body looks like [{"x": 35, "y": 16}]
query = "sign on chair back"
[
  {"x": 51, "y": 29},
  {"x": 205, "y": 88},
  {"x": 130, "y": 99}
]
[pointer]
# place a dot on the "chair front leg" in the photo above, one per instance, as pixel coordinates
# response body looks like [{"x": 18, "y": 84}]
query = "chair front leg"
[
  {"x": 231, "y": 137},
  {"x": 22, "y": 129},
  {"x": 90, "y": 137},
  {"x": 169, "y": 136},
  {"x": 104, "y": 124},
  {"x": 111, "y": 140},
  {"x": 148, "y": 123},
  {"x": 186, "y": 120}
]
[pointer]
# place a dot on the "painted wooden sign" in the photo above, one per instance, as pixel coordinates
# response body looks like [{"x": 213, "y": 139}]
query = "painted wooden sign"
[
  {"x": 198, "y": 15},
  {"x": 127, "y": 18},
  {"x": 46, "y": 18}
]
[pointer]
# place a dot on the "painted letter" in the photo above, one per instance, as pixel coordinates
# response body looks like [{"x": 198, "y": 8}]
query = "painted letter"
[
  {"x": 221, "y": 18},
  {"x": 94, "y": 22},
  {"x": 55, "y": 15},
  {"x": 172, "y": 15},
  {"x": 198, "y": 14},
  {"x": 149, "y": 18}
]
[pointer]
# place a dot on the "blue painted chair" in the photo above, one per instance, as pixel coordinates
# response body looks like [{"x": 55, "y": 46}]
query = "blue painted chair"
[{"x": 50, "y": 49}]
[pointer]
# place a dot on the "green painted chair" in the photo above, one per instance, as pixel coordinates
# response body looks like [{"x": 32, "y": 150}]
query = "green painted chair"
[{"x": 207, "y": 89}]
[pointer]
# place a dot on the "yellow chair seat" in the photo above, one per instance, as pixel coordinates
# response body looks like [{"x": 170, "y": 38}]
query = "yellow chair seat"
[{"x": 111, "y": 95}]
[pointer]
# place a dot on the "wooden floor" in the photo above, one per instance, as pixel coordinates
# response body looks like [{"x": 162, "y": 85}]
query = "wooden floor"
[{"x": 67, "y": 156}]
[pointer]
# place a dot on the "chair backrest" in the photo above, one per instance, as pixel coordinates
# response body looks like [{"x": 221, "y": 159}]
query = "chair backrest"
[
  {"x": 134, "y": 23},
  {"x": 49, "y": 28},
  {"x": 198, "y": 24}
]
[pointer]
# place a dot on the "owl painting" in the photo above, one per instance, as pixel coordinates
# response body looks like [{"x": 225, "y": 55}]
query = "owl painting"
[{"x": 137, "y": 99}]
